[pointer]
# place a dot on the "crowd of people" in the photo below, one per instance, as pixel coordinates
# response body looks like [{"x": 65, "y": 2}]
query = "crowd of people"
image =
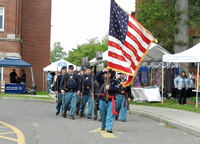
[{"x": 105, "y": 95}]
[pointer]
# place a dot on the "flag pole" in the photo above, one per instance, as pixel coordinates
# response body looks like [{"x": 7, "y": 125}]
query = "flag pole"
[{"x": 107, "y": 90}]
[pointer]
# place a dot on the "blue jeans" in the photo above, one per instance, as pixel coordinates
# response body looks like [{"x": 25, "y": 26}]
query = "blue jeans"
[
  {"x": 59, "y": 103},
  {"x": 49, "y": 85},
  {"x": 120, "y": 106},
  {"x": 107, "y": 116},
  {"x": 70, "y": 99},
  {"x": 85, "y": 98}
]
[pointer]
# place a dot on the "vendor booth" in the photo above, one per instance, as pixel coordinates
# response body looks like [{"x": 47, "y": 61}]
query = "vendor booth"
[
  {"x": 148, "y": 81},
  {"x": 15, "y": 63},
  {"x": 155, "y": 53},
  {"x": 56, "y": 66},
  {"x": 191, "y": 55}
]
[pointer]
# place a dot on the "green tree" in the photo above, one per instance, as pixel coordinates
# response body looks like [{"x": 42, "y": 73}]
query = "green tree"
[
  {"x": 160, "y": 17},
  {"x": 57, "y": 52},
  {"x": 88, "y": 49}
]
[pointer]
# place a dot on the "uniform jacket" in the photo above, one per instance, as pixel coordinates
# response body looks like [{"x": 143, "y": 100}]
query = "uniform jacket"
[
  {"x": 59, "y": 78},
  {"x": 125, "y": 89},
  {"x": 87, "y": 83},
  {"x": 113, "y": 89},
  {"x": 72, "y": 82},
  {"x": 179, "y": 80}
]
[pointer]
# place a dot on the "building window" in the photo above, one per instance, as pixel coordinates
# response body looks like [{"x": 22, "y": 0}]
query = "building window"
[{"x": 1, "y": 18}]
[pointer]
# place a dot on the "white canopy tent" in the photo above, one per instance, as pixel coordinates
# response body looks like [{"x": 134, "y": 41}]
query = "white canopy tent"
[
  {"x": 155, "y": 53},
  {"x": 187, "y": 56},
  {"x": 54, "y": 66}
]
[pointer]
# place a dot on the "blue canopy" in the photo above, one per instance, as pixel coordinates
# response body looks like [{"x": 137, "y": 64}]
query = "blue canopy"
[{"x": 14, "y": 62}]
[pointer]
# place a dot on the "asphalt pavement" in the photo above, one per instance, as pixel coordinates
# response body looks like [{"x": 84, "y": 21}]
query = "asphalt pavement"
[{"x": 39, "y": 125}]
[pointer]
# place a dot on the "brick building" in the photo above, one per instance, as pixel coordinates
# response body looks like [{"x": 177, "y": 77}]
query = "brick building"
[{"x": 25, "y": 27}]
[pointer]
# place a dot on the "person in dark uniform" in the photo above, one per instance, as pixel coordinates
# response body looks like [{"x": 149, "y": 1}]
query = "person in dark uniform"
[
  {"x": 78, "y": 103},
  {"x": 59, "y": 104},
  {"x": 87, "y": 92},
  {"x": 82, "y": 71},
  {"x": 123, "y": 97},
  {"x": 70, "y": 87},
  {"x": 96, "y": 100},
  {"x": 106, "y": 103},
  {"x": 13, "y": 77}
]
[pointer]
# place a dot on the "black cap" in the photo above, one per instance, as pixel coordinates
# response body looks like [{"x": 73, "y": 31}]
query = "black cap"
[
  {"x": 71, "y": 67},
  {"x": 88, "y": 67},
  {"x": 82, "y": 69},
  {"x": 110, "y": 71},
  {"x": 64, "y": 67}
]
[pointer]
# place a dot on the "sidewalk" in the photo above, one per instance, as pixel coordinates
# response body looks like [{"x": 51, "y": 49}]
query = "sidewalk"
[
  {"x": 52, "y": 95},
  {"x": 183, "y": 120}
]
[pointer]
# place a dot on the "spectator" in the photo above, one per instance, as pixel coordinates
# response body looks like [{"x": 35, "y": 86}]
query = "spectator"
[
  {"x": 49, "y": 78},
  {"x": 24, "y": 76},
  {"x": 182, "y": 83},
  {"x": 13, "y": 77}
]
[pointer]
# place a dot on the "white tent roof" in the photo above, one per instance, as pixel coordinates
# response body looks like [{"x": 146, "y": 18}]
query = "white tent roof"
[
  {"x": 53, "y": 67},
  {"x": 105, "y": 58},
  {"x": 155, "y": 52},
  {"x": 190, "y": 55}
]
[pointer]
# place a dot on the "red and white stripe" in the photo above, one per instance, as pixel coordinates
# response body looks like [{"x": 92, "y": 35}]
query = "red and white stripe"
[{"x": 127, "y": 57}]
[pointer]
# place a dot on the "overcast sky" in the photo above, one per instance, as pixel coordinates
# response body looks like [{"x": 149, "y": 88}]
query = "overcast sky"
[{"x": 75, "y": 21}]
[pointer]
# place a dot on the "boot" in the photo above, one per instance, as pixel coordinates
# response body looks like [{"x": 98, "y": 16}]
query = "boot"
[
  {"x": 72, "y": 117},
  {"x": 64, "y": 115}
]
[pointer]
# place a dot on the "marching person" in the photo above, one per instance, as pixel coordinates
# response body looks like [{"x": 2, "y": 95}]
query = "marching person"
[
  {"x": 78, "y": 103},
  {"x": 82, "y": 71},
  {"x": 123, "y": 97},
  {"x": 182, "y": 83},
  {"x": 87, "y": 92},
  {"x": 106, "y": 103},
  {"x": 96, "y": 100},
  {"x": 70, "y": 87},
  {"x": 59, "y": 104}
]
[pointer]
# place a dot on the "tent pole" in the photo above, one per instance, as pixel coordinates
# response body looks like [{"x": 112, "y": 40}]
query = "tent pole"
[
  {"x": 32, "y": 76},
  {"x": 162, "y": 81},
  {"x": 43, "y": 82},
  {"x": 197, "y": 86}
]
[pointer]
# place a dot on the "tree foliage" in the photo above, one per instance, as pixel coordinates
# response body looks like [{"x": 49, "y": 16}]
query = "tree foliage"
[
  {"x": 159, "y": 17},
  {"x": 88, "y": 49},
  {"x": 57, "y": 52}
]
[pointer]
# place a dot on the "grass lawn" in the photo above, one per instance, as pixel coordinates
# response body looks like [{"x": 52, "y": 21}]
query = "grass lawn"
[
  {"x": 169, "y": 103},
  {"x": 24, "y": 95}
]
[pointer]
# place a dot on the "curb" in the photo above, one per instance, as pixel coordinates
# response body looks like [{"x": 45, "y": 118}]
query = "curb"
[
  {"x": 27, "y": 99},
  {"x": 170, "y": 122}
]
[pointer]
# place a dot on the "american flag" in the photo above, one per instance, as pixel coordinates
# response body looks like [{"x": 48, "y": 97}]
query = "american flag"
[{"x": 128, "y": 42}]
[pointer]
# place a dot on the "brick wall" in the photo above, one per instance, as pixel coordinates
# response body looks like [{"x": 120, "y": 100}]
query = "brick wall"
[
  {"x": 11, "y": 17},
  {"x": 36, "y": 24}
]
